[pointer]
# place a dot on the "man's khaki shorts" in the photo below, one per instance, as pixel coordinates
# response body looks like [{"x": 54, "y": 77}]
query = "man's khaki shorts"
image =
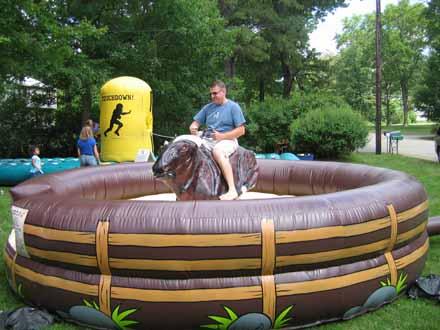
[{"x": 226, "y": 147}]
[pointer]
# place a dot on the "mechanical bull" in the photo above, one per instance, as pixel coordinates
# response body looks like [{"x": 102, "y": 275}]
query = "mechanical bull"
[{"x": 190, "y": 170}]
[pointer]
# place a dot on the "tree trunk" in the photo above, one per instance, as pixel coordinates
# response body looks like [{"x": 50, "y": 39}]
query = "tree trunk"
[
  {"x": 404, "y": 90},
  {"x": 222, "y": 7},
  {"x": 229, "y": 62},
  {"x": 387, "y": 104},
  {"x": 388, "y": 111},
  {"x": 287, "y": 80},
  {"x": 67, "y": 99},
  {"x": 230, "y": 67},
  {"x": 261, "y": 96},
  {"x": 378, "y": 121},
  {"x": 299, "y": 82},
  {"x": 86, "y": 103}
]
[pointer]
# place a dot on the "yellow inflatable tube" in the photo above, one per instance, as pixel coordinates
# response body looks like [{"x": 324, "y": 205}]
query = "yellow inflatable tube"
[{"x": 126, "y": 119}]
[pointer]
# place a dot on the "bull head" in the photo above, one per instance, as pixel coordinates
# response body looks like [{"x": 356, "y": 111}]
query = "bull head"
[{"x": 177, "y": 161}]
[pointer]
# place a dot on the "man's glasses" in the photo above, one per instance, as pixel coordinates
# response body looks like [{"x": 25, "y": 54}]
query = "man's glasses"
[{"x": 214, "y": 93}]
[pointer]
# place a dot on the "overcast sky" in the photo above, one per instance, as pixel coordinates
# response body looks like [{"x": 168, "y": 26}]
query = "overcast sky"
[{"x": 323, "y": 38}]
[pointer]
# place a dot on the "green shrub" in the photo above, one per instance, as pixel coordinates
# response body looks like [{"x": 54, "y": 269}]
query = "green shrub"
[
  {"x": 329, "y": 133},
  {"x": 269, "y": 121},
  {"x": 395, "y": 112},
  {"x": 268, "y": 124},
  {"x": 412, "y": 117},
  {"x": 305, "y": 102}
]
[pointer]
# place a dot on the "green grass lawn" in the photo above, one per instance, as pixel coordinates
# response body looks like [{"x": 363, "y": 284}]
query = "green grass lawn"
[
  {"x": 403, "y": 314},
  {"x": 411, "y": 129}
]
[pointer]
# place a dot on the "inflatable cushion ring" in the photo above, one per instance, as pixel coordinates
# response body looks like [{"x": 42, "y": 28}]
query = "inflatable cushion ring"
[{"x": 354, "y": 237}]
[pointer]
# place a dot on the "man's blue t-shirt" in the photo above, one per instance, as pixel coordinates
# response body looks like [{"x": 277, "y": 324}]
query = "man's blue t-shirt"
[
  {"x": 223, "y": 118},
  {"x": 86, "y": 146}
]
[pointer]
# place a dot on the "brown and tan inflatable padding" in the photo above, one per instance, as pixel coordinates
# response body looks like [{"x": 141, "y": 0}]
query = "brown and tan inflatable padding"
[{"x": 352, "y": 239}]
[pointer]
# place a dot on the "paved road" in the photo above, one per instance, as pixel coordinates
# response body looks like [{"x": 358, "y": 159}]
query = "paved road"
[{"x": 412, "y": 145}]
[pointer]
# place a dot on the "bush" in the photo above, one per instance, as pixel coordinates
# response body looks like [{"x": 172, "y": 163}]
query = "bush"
[
  {"x": 269, "y": 121},
  {"x": 55, "y": 131},
  {"x": 329, "y": 133},
  {"x": 395, "y": 112},
  {"x": 412, "y": 117},
  {"x": 268, "y": 124},
  {"x": 305, "y": 102}
]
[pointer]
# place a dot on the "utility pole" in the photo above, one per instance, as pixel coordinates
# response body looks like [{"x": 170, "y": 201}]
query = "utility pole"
[{"x": 378, "y": 80}]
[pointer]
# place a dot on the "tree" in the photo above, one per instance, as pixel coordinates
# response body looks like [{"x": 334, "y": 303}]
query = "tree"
[
  {"x": 428, "y": 92},
  {"x": 402, "y": 53},
  {"x": 41, "y": 42},
  {"x": 272, "y": 36},
  {"x": 355, "y": 64},
  {"x": 403, "y": 44},
  {"x": 74, "y": 46},
  {"x": 190, "y": 46}
]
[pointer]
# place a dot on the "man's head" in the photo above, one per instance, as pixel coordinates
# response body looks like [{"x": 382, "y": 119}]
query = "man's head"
[{"x": 218, "y": 92}]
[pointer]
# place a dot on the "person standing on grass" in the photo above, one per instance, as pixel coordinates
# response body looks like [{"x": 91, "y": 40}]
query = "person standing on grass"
[
  {"x": 437, "y": 144},
  {"x": 225, "y": 124}
]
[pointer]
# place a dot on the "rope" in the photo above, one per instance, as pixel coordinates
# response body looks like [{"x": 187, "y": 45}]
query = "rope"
[{"x": 164, "y": 136}]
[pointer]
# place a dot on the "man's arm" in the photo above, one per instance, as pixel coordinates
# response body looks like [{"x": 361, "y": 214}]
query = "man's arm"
[
  {"x": 194, "y": 127},
  {"x": 234, "y": 134}
]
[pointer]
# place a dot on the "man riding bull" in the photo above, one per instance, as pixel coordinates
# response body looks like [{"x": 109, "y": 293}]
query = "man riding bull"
[{"x": 225, "y": 124}]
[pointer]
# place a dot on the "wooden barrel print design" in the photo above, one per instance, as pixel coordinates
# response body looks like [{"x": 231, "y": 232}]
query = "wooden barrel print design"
[{"x": 126, "y": 264}]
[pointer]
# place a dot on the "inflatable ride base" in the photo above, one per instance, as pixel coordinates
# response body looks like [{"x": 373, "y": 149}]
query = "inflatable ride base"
[
  {"x": 157, "y": 304},
  {"x": 352, "y": 240},
  {"x": 14, "y": 171}
]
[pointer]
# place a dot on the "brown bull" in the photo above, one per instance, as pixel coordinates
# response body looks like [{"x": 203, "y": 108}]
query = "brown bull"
[{"x": 189, "y": 169}]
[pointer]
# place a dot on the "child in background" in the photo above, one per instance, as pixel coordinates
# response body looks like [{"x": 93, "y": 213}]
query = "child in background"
[{"x": 36, "y": 161}]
